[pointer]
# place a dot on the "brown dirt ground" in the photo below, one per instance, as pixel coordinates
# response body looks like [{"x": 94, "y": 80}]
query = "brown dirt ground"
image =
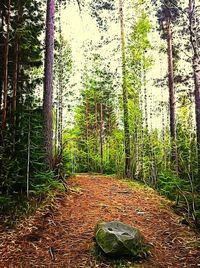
[{"x": 62, "y": 234}]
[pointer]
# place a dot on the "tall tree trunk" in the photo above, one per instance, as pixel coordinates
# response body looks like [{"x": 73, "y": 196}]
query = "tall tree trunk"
[
  {"x": 145, "y": 101},
  {"x": 28, "y": 157},
  {"x": 196, "y": 69},
  {"x": 15, "y": 80},
  {"x": 48, "y": 81},
  {"x": 15, "y": 77},
  {"x": 101, "y": 137},
  {"x": 172, "y": 100},
  {"x": 5, "y": 66},
  {"x": 125, "y": 96},
  {"x": 56, "y": 124},
  {"x": 15, "y": 85},
  {"x": 60, "y": 107},
  {"x": 87, "y": 132},
  {"x": 1, "y": 30}
]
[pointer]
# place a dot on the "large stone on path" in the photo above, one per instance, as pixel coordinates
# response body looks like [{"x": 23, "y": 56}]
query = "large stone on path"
[{"x": 119, "y": 239}]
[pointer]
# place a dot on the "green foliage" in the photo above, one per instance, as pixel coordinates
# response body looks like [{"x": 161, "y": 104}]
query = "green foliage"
[
  {"x": 95, "y": 125},
  {"x": 44, "y": 183},
  {"x": 26, "y": 26},
  {"x": 6, "y": 203},
  {"x": 169, "y": 184}
]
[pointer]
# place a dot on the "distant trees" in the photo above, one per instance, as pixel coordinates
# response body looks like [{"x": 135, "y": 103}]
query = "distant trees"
[
  {"x": 62, "y": 72},
  {"x": 95, "y": 122},
  {"x": 138, "y": 64}
]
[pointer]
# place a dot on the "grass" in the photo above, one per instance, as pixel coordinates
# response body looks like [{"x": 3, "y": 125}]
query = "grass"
[{"x": 15, "y": 208}]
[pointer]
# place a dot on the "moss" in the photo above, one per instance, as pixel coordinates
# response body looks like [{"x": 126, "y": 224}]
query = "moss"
[{"x": 116, "y": 238}]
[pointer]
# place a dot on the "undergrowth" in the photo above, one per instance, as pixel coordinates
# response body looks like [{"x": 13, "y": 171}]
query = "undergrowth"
[
  {"x": 181, "y": 195},
  {"x": 17, "y": 206}
]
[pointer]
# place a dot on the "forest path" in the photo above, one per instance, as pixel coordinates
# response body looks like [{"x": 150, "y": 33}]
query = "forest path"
[{"x": 62, "y": 235}]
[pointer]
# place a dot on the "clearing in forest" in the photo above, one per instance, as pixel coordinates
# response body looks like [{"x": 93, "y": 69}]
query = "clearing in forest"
[{"x": 62, "y": 234}]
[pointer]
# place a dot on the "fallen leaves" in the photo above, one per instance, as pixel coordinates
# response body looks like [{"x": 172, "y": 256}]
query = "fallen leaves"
[{"x": 62, "y": 235}]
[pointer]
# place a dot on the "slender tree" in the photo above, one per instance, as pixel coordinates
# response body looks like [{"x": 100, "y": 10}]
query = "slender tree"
[
  {"x": 5, "y": 74},
  {"x": 172, "y": 99},
  {"x": 101, "y": 137},
  {"x": 1, "y": 42},
  {"x": 16, "y": 72},
  {"x": 125, "y": 95},
  {"x": 167, "y": 14},
  {"x": 196, "y": 68},
  {"x": 48, "y": 81},
  {"x": 60, "y": 86}
]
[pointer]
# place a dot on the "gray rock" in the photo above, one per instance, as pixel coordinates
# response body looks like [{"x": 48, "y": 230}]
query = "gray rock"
[{"x": 119, "y": 239}]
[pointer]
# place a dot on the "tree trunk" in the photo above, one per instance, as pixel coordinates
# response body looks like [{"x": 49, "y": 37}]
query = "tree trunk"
[
  {"x": 15, "y": 80},
  {"x": 125, "y": 96},
  {"x": 15, "y": 75},
  {"x": 196, "y": 69},
  {"x": 87, "y": 132},
  {"x": 56, "y": 125},
  {"x": 60, "y": 105},
  {"x": 145, "y": 100},
  {"x": 172, "y": 100},
  {"x": 101, "y": 137},
  {"x": 28, "y": 157},
  {"x": 48, "y": 81},
  {"x": 5, "y": 65},
  {"x": 1, "y": 30},
  {"x": 15, "y": 85}
]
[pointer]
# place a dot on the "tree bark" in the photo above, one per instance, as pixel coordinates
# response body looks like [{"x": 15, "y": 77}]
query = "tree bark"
[
  {"x": 48, "y": 81},
  {"x": 28, "y": 157},
  {"x": 15, "y": 85},
  {"x": 15, "y": 76},
  {"x": 196, "y": 70},
  {"x": 125, "y": 96},
  {"x": 1, "y": 29},
  {"x": 101, "y": 137},
  {"x": 15, "y": 81},
  {"x": 60, "y": 104},
  {"x": 5, "y": 64},
  {"x": 87, "y": 132},
  {"x": 172, "y": 100}
]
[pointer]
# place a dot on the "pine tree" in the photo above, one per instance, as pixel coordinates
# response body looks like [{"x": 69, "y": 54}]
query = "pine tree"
[
  {"x": 166, "y": 15},
  {"x": 194, "y": 39},
  {"x": 17, "y": 101},
  {"x": 5, "y": 66},
  {"x": 48, "y": 81}
]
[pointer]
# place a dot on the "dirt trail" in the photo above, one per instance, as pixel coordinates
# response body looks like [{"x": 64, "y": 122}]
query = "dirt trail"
[{"x": 63, "y": 236}]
